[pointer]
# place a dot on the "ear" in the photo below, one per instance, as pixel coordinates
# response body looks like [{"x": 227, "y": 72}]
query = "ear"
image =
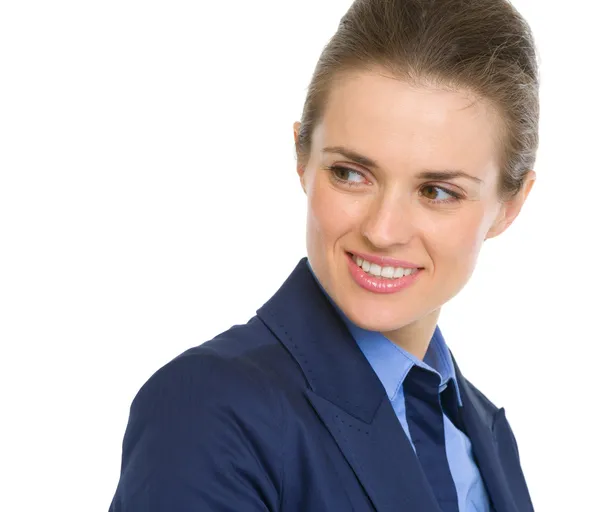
[
  {"x": 299, "y": 166},
  {"x": 511, "y": 208}
]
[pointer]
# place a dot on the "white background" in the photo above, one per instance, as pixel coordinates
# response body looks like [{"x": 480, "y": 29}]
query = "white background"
[{"x": 148, "y": 201}]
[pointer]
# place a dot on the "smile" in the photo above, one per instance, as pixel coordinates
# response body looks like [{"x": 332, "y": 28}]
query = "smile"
[{"x": 381, "y": 276}]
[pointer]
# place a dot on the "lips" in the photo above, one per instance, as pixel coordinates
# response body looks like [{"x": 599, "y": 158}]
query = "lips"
[{"x": 378, "y": 284}]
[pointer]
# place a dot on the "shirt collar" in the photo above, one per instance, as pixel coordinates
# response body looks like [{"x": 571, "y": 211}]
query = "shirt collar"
[{"x": 392, "y": 363}]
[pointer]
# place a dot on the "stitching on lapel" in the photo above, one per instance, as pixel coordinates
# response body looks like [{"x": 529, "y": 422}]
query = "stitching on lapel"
[
  {"x": 338, "y": 420},
  {"x": 305, "y": 364}
]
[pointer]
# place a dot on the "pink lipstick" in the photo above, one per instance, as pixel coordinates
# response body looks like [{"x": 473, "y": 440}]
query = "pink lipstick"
[{"x": 381, "y": 284}]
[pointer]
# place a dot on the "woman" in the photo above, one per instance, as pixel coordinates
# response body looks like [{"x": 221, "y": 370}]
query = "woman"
[{"x": 416, "y": 144}]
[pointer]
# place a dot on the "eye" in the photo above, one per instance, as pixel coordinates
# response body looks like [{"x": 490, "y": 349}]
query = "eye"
[
  {"x": 346, "y": 175},
  {"x": 437, "y": 194}
]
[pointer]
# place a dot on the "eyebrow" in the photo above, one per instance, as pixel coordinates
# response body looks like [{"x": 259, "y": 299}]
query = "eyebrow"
[{"x": 446, "y": 174}]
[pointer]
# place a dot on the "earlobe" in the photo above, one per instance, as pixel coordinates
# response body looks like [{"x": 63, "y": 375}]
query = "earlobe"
[
  {"x": 301, "y": 174},
  {"x": 498, "y": 225},
  {"x": 510, "y": 209}
]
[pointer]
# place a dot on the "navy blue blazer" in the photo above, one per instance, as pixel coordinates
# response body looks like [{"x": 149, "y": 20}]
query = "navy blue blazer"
[{"x": 285, "y": 413}]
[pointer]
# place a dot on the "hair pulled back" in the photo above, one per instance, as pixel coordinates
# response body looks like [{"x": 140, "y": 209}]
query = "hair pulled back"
[{"x": 483, "y": 46}]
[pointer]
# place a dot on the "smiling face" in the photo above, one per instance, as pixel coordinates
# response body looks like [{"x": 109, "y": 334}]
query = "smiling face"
[{"x": 408, "y": 173}]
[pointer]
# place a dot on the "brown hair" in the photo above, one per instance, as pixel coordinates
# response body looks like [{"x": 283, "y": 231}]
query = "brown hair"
[{"x": 484, "y": 46}]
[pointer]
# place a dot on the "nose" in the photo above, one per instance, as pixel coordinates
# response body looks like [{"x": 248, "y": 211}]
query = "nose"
[{"x": 389, "y": 222}]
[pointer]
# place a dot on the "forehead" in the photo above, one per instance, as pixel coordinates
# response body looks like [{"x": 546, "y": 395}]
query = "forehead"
[{"x": 399, "y": 124}]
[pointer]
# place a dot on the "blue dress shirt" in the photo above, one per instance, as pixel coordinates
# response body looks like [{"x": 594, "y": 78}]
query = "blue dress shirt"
[{"x": 391, "y": 363}]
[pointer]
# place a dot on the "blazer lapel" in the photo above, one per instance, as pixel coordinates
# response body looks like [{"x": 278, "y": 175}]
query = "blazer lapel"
[
  {"x": 347, "y": 395},
  {"x": 380, "y": 456},
  {"x": 479, "y": 423}
]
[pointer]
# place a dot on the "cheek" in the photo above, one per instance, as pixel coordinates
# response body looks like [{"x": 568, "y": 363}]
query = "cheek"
[
  {"x": 331, "y": 214},
  {"x": 457, "y": 244}
]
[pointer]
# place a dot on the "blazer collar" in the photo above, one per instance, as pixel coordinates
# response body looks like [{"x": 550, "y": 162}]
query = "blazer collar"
[
  {"x": 305, "y": 321},
  {"x": 352, "y": 403}
]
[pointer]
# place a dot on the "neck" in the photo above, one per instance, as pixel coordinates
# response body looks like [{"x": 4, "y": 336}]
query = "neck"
[{"x": 415, "y": 337}]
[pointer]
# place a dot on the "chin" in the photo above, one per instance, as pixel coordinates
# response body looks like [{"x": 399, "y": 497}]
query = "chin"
[{"x": 376, "y": 320}]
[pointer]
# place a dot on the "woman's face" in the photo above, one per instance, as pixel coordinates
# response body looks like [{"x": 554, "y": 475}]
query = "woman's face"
[{"x": 404, "y": 173}]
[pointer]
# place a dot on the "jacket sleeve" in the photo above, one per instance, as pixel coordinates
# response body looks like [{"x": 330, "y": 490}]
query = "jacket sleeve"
[{"x": 204, "y": 434}]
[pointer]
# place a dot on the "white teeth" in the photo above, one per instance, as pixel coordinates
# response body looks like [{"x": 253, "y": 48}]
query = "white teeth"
[
  {"x": 387, "y": 272},
  {"x": 375, "y": 269}
]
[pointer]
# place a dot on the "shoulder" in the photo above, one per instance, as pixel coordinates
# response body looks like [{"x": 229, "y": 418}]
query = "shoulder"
[
  {"x": 206, "y": 426},
  {"x": 212, "y": 394},
  {"x": 227, "y": 371}
]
